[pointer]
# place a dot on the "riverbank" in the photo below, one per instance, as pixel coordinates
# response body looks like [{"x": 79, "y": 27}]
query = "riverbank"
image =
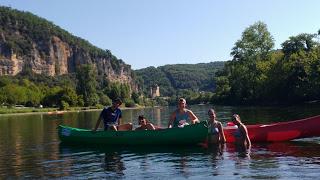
[{"x": 33, "y": 110}]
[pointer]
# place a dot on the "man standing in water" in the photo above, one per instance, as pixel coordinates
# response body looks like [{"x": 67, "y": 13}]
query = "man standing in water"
[
  {"x": 111, "y": 117},
  {"x": 182, "y": 116}
]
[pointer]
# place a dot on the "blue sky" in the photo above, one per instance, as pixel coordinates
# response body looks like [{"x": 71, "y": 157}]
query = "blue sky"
[{"x": 157, "y": 32}]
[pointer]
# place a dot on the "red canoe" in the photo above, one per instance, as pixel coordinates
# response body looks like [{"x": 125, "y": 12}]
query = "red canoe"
[{"x": 282, "y": 131}]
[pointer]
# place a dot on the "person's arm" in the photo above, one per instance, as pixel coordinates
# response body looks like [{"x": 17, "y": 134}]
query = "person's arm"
[
  {"x": 193, "y": 117},
  {"x": 172, "y": 117},
  {"x": 150, "y": 126},
  {"x": 119, "y": 121},
  {"x": 120, "y": 118},
  {"x": 246, "y": 136},
  {"x": 221, "y": 133},
  {"x": 98, "y": 123}
]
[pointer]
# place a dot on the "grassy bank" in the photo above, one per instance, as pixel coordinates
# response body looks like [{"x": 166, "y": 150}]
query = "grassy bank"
[
  {"x": 13, "y": 110},
  {"x": 18, "y": 110}
]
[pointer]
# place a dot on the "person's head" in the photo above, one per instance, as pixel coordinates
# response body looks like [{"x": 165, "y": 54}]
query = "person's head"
[
  {"x": 212, "y": 114},
  {"x": 142, "y": 120},
  {"x": 116, "y": 102},
  {"x": 182, "y": 103},
  {"x": 236, "y": 119}
]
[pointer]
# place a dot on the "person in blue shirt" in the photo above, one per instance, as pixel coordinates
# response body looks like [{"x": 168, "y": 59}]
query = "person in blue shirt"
[
  {"x": 111, "y": 117},
  {"x": 182, "y": 116}
]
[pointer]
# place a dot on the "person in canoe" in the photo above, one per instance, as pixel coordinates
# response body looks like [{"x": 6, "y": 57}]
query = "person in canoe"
[
  {"x": 111, "y": 117},
  {"x": 144, "y": 124},
  {"x": 215, "y": 128},
  {"x": 182, "y": 116},
  {"x": 241, "y": 134}
]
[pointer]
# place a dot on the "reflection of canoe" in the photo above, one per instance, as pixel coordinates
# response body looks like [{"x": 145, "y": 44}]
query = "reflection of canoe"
[
  {"x": 191, "y": 134},
  {"x": 282, "y": 131}
]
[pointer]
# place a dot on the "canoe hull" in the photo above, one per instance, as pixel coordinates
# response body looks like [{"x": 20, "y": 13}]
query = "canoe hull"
[
  {"x": 192, "y": 134},
  {"x": 283, "y": 131}
]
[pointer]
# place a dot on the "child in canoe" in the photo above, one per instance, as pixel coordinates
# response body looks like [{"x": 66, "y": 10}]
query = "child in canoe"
[{"x": 144, "y": 124}]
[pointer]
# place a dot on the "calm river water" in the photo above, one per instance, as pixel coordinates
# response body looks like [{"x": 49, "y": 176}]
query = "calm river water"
[{"x": 30, "y": 148}]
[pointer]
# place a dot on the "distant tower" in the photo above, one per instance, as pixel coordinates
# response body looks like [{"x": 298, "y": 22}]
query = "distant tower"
[{"x": 155, "y": 91}]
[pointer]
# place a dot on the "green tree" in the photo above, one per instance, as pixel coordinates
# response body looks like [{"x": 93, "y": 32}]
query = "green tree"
[
  {"x": 104, "y": 100},
  {"x": 135, "y": 97},
  {"x": 114, "y": 90},
  {"x": 301, "y": 42},
  {"x": 239, "y": 81},
  {"x": 87, "y": 84},
  {"x": 14, "y": 94},
  {"x": 69, "y": 95},
  {"x": 256, "y": 41}
]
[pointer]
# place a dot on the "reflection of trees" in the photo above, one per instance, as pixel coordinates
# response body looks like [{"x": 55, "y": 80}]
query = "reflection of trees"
[{"x": 157, "y": 114}]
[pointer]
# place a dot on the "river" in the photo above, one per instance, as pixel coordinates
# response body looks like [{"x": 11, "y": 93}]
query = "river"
[{"x": 30, "y": 148}]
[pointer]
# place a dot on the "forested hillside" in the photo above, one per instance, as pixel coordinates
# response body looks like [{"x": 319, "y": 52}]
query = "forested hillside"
[
  {"x": 40, "y": 63},
  {"x": 178, "y": 78}
]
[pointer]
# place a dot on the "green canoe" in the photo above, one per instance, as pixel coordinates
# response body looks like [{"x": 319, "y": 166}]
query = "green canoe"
[{"x": 191, "y": 134}]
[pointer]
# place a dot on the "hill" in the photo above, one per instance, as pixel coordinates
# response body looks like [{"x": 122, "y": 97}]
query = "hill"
[
  {"x": 179, "y": 77},
  {"x": 31, "y": 43}
]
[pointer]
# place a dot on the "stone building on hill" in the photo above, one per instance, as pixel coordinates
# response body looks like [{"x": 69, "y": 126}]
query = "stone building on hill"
[{"x": 155, "y": 91}]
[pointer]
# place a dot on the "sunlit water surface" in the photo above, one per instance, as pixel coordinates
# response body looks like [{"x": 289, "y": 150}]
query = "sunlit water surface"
[{"x": 30, "y": 148}]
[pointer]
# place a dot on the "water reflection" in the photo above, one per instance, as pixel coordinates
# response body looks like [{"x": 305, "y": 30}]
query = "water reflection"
[
  {"x": 157, "y": 116},
  {"x": 29, "y": 148},
  {"x": 241, "y": 151},
  {"x": 215, "y": 153},
  {"x": 113, "y": 163}
]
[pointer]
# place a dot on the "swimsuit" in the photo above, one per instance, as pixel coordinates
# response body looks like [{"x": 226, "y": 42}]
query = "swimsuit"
[
  {"x": 213, "y": 130},
  {"x": 237, "y": 133},
  {"x": 181, "y": 119}
]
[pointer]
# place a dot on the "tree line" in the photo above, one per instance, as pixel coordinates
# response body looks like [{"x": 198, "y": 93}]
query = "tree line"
[
  {"x": 260, "y": 74},
  {"x": 79, "y": 89}
]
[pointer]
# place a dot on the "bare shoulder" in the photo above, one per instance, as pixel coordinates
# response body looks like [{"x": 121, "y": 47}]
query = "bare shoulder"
[
  {"x": 189, "y": 111},
  {"x": 243, "y": 128}
]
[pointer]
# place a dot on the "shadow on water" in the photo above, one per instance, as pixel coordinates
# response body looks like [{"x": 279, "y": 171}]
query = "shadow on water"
[{"x": 75, "y": 148}]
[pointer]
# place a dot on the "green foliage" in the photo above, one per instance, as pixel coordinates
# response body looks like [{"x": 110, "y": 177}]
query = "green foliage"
[
  {"x": 135, "y": 97},
  {"x": 105, "y": 100},
  {"x": 14, "y": 94},
  {"x": 172, "y": 78},
  {"x": 302, "y": 42},
  {"x": 64, "y": 105},
  {"x": 290, "y": 75},
  {"x": 69, "y": 95},
  {"x": 129, "y": 103},
  {"x": 87, "y": 84},
  {"x": 118, "y": 90},
  {"x": 256, "y": 42}
]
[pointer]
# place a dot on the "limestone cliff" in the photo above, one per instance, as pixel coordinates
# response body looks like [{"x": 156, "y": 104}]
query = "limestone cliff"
[{"x": 30, "y": 42}]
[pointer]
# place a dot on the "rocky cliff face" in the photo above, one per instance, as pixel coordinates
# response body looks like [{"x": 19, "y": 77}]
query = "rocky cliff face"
[
  {"x": 46, "y": 49},
  {"x": 62, "y": 59}
]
